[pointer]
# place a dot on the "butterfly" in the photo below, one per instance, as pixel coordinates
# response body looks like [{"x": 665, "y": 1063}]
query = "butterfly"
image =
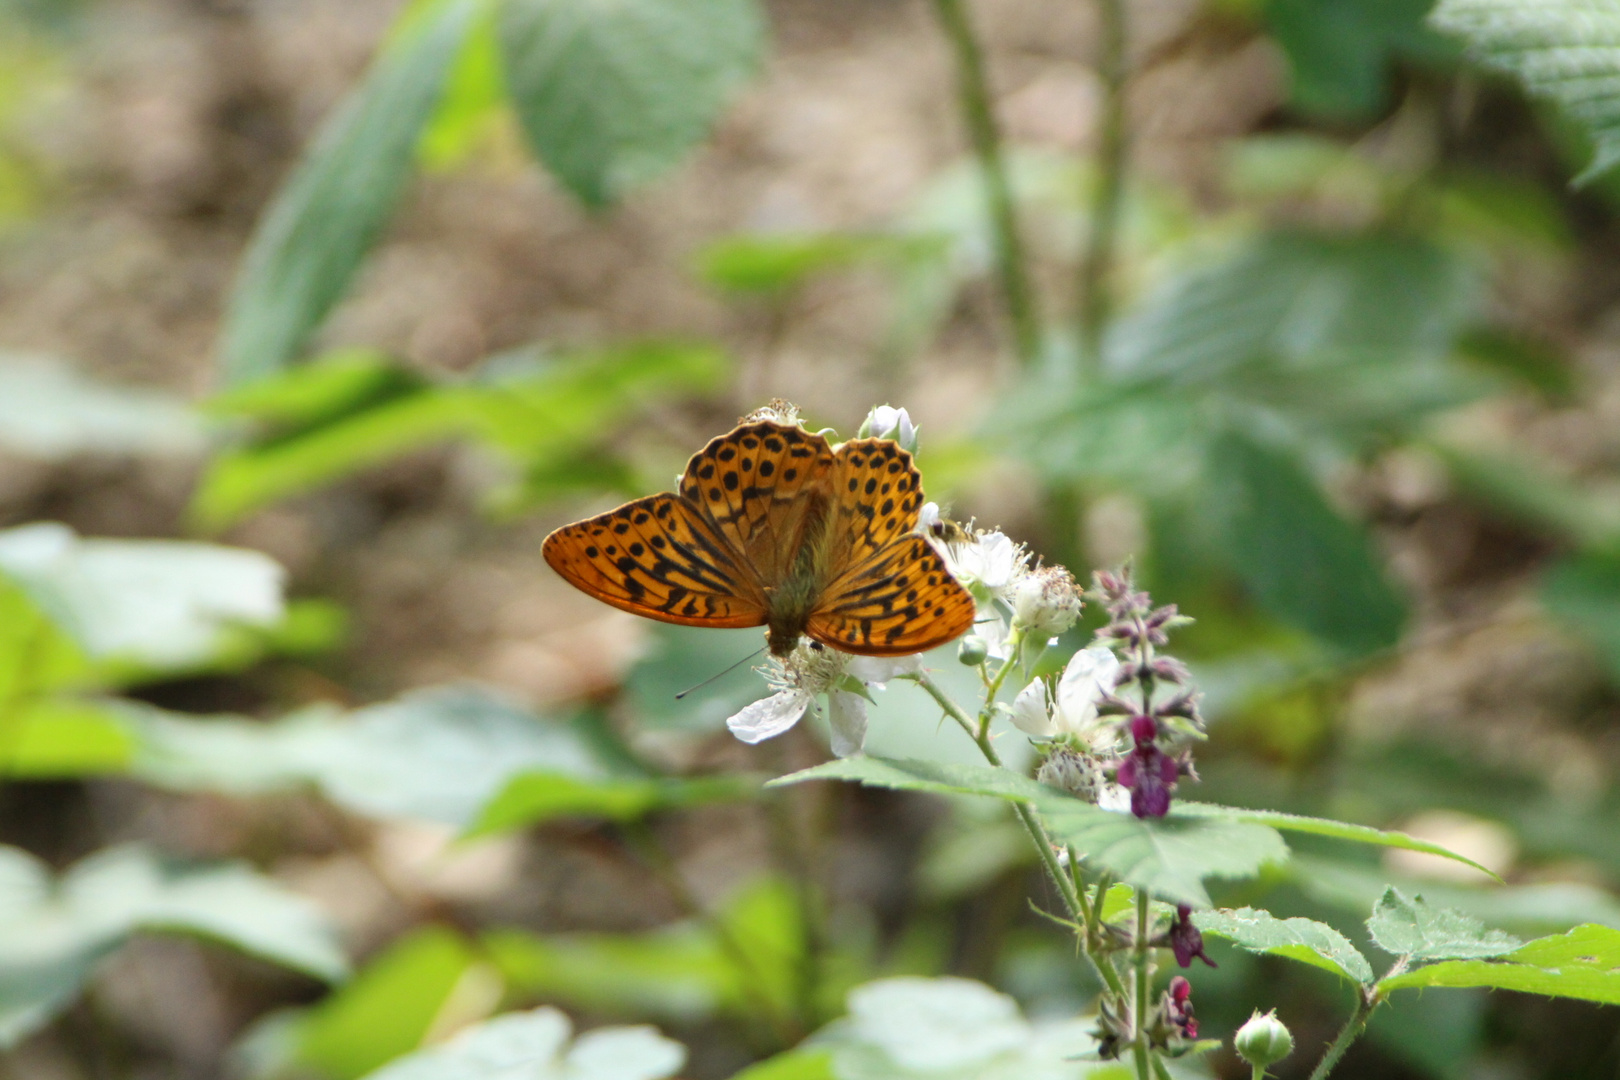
[{"x": 773, "y": 527}]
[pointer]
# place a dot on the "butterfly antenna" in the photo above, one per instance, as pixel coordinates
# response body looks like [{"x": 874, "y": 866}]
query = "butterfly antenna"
[{"x": 720, "y": 674}]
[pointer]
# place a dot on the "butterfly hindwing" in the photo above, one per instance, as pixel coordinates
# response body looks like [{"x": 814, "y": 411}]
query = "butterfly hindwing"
[
  {"x": 889, "y": 592},
  {"x": 755, "y": 485},
  {"x": 902, "y": 600},
  {"x": 658, "y": 557}
]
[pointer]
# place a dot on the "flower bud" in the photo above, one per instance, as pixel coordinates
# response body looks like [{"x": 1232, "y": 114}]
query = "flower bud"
[
  {"x": 1263, "y": 1041},
  {"x": 972, "y": 650},
  {"x": 1069, "y": 770},
  {"x": 887, "y": 422},
  {"x": 1047, "y": 601}
]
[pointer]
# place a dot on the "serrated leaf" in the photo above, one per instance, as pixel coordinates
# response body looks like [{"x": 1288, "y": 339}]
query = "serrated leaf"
[
  {"x": 1304, "y": 940},
  {"x": 911, "y": 774},
  {"x": 53, "y": 932},
  {"x": 1169, "y": 857},
  {"x": 1303, "y": 562},
  {"x": 613, "y": 93},
  {"x": 1566, "y": 51},
  {"x": 1411, "y": 927},
  {"x": 1583, "y": 963},
  {"x": 312, "y": 239},
  {"x": 1341, "y": 830}
]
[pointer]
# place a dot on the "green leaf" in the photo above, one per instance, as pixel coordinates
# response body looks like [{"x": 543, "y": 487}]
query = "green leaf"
[
  {"x": 1513, "y": 482},
  {"x": 1341, "y": 54},
  {"x": 536, "y": 1045},
  {"x": 1411, "y": 927},
  {"x": 1304, "y": 563},
  {"x": 612, "y": 93},
  {"x": 155, "y": 605},
  {"x": 51, "y": 412},
  {"x": 775, "y": 263},
  {"x": 63, "y": 737},
  {"x": 1582, "y": 593},
  {"x": 910, "y": 774},
  {"x": 439, "y": 754},
  {"x": 1583, "y": 963},
  {"x": 388, "y": 1009},
  {"x": 792, "y": 1065},
  {"x": 1169, "y": 857},
  {"x": 1564, "y": 51},
  {"x": 536, "y": 797},
  {"x": 54, "y": 932},
  {"x": 326, "y": 217},
  {"x": 473, "y": 106},
  {"x": 1340, "y": 830},
  {"x": 1304, "y": 940}
]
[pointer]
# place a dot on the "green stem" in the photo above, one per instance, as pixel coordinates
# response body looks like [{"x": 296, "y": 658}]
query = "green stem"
[
  {"x": 1259, "y": 1073},
  {"x": 1143, "y": 1053},
  {"x": 1096, "y": 302},
  {"x": 973, "y": 91},
  {"x": 1348, "y": 1034}
]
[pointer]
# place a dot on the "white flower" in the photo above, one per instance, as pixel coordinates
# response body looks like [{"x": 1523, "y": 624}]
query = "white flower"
[
  {"x": 990, "y": 560},
  {"x": 804, "y": 674},
  {"x": 1046, "y": 601},
  {"x": 887, "y": 422},
  {"x": 927, "y": 518},
  {"x": 1091, "y": 673},
  {"x": 1072, "y": 709}
]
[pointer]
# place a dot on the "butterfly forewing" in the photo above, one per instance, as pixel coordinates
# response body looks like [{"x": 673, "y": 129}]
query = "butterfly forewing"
[
  {"x": 888, "y": 592},
  {"x": 757, "y": 485},
  {"x": 659, "y": 557}
]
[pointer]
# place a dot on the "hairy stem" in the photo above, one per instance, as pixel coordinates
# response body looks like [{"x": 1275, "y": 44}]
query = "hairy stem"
[
  {"x": 1096, "y": 302},
  {"x": 1348, "y": 1034},
  {"x": 1142, "y": 1052},
  {"x": 973, "y": 92}
]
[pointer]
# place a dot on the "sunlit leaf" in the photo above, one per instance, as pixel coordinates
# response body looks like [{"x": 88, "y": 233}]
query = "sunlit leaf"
[
  {"x": 1412, "y": 927},
  {"x": 156, "y": 604},
  {"x": 611, "y": 94},
  {"x": 53, "y": 932},
  {"x": 50, "y": 412},
  {"x": 1567, "y": 51},
  {"x": 910, "y": 774},
  {"x": 1339, "y": 830},
  {"x": 389, "y": 1008},
  {"x": 1304, "y": 940},
  {"x": 326, "y": 217},
  {"x": 531, "y": 798},
  {"x": 536, "y": 1046}
]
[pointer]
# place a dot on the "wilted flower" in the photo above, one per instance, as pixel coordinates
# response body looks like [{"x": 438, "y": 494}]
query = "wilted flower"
[
  {"x": 887, "y": 422},
  {"x": 811, "y": 670},
  {"x": 1047, "y": 601},
  {"x": 1177, "y": 1008},
  {"x": 1185, "y": 939}
]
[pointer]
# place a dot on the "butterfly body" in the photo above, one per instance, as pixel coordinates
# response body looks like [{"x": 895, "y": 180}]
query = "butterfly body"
[{"x": 773, "y": 527}]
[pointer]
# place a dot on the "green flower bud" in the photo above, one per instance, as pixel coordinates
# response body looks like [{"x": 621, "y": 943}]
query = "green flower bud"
[
  {"x": 972, "y": 650},
  {"x": 1263, "y": 1040}
]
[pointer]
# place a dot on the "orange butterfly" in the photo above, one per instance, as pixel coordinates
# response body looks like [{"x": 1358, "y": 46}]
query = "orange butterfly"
[{"x": 774, "y": 528}]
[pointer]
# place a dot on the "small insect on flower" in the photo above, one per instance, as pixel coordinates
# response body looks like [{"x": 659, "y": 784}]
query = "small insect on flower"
[{"x": 774, "y": 527}]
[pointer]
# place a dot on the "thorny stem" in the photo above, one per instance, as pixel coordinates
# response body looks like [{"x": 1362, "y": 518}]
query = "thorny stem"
[
  {"x": 1144, "y": 955},
  {"x": 1095, "y": 302},
  {"x": 656, "y": 858},
  {"x": 973, "y": 90}
]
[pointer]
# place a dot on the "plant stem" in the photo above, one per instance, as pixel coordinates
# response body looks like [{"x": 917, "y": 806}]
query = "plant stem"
[
  {"x": 1066, "y": 885},
  {"x": 1096, "y": 302},
  {"x": 1348, "y": 1034},
  {"x": 1144, "y": 954},
  {"x": 973, "y": 92}
]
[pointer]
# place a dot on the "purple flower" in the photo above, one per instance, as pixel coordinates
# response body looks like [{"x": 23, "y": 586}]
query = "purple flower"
[
  {"x": 1185, "y": 940},
  {"x": 1148, "y": 773},
  {"x": 1178, "y": 1008}
]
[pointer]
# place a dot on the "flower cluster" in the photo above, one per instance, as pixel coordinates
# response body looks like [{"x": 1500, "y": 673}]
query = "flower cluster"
[
  {"x": 1156, "y": 726},
  {"x": 810, "y": 671}
]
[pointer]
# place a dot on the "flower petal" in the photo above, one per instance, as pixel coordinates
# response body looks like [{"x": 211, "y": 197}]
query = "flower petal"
[
  {"x": 1029, "y": 711},
  {"x": 877, "y": 670},
  {"x": 769, "y": 717},
  {"x": 846, "y": 713},
  {"x": 1090, "y": 674}
]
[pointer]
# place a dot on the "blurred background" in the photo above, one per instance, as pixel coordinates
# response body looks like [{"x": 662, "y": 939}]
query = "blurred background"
[{"x": 317, "y": 315}]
